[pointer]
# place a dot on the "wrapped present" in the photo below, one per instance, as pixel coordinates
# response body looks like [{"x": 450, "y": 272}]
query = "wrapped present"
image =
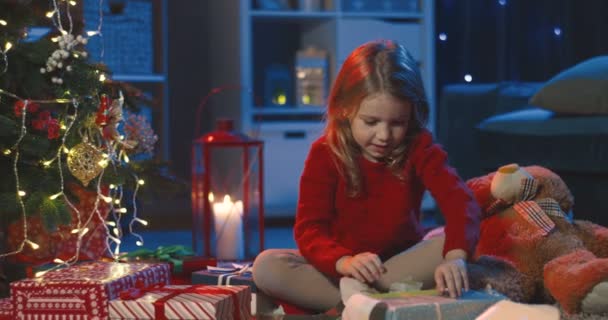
[
  {"x": 231, "y": 274},
  {"x": 423, "y": 305},
  {"x": 183, "y": 302},
  {"x": 182, "y": 259},
  {"x": 6, "y": 309},
  {"x": 82, "y": 291}
]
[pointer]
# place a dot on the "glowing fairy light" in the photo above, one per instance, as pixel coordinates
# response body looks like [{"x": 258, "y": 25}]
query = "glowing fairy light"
[
  {"x": 3, "y": 22},
  {"x": 40, "y": 273},
  {"x": 56, "y": 195},
  {"x": 141, "y": 182},
  {"x": 21, "y": 193},
  {"x": 32, "y": 244},
  {"x": 142, "y": 221}
]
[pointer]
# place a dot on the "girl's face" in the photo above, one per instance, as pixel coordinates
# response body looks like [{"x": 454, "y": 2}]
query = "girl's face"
[{"x": 380, "y": 125}]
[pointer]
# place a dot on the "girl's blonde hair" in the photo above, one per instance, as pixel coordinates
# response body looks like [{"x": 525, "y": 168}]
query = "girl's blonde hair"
[{"x": 381, "y": 66}]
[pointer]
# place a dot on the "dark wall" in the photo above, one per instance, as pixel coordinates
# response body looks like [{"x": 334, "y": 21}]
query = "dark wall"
[
  {"x": 517, "y": 41},
  {"x": 189, "y": 58}
]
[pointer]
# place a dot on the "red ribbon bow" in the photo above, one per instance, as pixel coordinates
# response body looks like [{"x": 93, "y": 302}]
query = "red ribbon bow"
[{"x": 159, "y": 305}]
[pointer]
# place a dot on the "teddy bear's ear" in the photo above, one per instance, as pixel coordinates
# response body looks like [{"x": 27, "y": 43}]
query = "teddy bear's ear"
[
  {"x": 550, "y": 185},
  {"x": 481, "y": 187}
]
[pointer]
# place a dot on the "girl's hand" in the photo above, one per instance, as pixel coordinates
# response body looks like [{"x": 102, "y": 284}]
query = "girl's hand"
[
  {"x": 451, "y": 275},
  {"x": 365, "y": 267}
]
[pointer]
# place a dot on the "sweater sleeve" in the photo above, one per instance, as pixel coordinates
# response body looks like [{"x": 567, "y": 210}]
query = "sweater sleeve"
[
  {"x": 316, "y": 210},
  {"x": 455, "y": 200}
]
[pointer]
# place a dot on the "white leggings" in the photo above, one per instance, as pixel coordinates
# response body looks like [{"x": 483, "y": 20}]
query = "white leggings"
[{"x": 286, "y": 275}]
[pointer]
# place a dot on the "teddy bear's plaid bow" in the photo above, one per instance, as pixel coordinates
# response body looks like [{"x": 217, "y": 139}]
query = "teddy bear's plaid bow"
[{"x": 535, "y": 212}]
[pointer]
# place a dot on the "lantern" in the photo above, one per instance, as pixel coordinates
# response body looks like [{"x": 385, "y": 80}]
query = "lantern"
[{"x": 227, "y": 194}]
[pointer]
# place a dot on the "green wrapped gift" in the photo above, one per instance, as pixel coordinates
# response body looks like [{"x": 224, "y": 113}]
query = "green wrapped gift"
[{"x": 175, "y": 255}]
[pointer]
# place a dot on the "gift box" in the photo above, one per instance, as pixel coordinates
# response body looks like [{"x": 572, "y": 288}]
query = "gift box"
[
  {"x": 233, "y": 274},
  {"x": 183, "y": 302},
  {"x": 81, "y": 290},
  {"x": 423, "y": 305},
  {"x": 181, "y": 260},
  {"x": 6, "y": 309}
]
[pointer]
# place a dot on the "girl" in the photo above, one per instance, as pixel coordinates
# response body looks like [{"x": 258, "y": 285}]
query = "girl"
[{"x": 361, "y": 189}]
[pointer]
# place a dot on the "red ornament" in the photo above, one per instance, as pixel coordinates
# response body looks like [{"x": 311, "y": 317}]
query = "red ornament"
[
  {"x": 104, "y": 111},
  {"x": 32, "y": 107},
  {"x": 227, "y": 194}
]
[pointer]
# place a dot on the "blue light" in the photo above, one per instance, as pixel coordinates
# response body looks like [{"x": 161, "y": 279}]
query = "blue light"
[
  {"x": 443, "y": 36},
  {"x": 502, "y": 2},
  {"x": 557, "y": 31}
]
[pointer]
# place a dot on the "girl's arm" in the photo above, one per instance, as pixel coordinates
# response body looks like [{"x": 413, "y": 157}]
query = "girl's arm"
[
  {"x": 316, "y": 210},
  {"x": 456, "y": 201}
]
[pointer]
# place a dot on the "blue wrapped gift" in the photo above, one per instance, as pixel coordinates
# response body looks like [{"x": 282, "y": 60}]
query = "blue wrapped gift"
[{"x": 225, "y": 274}]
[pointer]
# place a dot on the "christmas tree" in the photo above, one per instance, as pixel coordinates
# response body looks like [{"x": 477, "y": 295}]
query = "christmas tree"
[{"x": 67, "y": 139}]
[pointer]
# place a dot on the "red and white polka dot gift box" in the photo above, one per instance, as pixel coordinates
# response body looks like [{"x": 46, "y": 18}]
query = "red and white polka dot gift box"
[
  {"x": 6, "y": 309},
  {"x": 81, "y": 291}
]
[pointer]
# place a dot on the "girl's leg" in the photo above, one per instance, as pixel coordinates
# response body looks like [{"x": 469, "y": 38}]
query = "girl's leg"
[
  {"x": 418, "y": 263},
  {"x": 284, "y": 274}
]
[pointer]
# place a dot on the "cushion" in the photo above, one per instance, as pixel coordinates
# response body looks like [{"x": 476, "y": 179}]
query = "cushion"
[
  {"x": 543, "y": 137},
  {"x": 581, "y": 89}
]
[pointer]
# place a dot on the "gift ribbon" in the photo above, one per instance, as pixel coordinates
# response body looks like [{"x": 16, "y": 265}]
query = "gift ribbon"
[
  {"x": 159, "y": 304},
  {"x": 228, "y": 276}
]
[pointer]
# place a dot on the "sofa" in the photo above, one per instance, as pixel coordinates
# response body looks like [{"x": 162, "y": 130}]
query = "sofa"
[{"x": 561, "y": 124}]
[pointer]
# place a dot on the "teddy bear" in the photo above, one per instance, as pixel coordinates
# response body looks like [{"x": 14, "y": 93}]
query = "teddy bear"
[{"x": 530, "y": 249}]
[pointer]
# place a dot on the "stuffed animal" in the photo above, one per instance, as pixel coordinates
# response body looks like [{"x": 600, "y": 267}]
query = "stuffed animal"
[{"x": 529, "y": 247}]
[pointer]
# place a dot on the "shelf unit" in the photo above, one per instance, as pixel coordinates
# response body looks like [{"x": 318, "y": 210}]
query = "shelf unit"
[
  {"x": 265, "y": 37},
  {"x": 154, "y": 82}
]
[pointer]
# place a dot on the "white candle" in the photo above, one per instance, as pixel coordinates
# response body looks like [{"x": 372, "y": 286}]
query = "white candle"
[{"x": 228, "y": 229}]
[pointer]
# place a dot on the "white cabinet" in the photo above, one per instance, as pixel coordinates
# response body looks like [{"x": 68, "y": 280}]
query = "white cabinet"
[{"x": 250, "y": 39}]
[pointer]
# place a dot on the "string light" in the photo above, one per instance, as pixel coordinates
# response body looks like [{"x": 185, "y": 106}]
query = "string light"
[
  {"x": 32, "y": 244},
  {"x": 56, "y": 195},
  {"x": 142, "y": 221},
  {"x": 3, "y": 22},
  {"x": 67, "y": 42},
  {"x": 557, "y": 31}
]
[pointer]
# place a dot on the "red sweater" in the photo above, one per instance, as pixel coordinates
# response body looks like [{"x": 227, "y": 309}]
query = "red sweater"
[{"x": 385, "y": 217}]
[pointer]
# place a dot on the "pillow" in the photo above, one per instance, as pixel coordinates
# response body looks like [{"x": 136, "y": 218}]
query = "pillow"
[{"x": 581, "y": 89}]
